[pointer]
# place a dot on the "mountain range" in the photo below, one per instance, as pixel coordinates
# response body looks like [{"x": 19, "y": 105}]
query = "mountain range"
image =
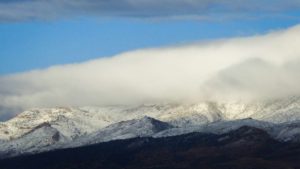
[{"x": 50, "y": 129}]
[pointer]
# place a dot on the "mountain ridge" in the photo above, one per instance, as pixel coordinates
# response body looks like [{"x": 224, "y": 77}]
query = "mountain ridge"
[
  {"x": 246, "y": 147},
  {"x": 80, "y": 126}
]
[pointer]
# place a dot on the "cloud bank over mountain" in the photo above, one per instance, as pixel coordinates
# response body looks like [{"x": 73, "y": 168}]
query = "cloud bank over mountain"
[
  {"x": 23, "y": 10},
  {"x": 257, "y": 67}
]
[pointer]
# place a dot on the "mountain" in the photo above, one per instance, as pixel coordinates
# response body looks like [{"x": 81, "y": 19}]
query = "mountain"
[
  {"x": 41, "y": 138},
  {"x": 218, "y": 127},
  {"x": 289, "y": 131},
  {"x": 144, "y": 127},
  {"x": 245, "y": 147},
  {"x": 56, "y": 128},
  {"x": 69, "y": 121}
]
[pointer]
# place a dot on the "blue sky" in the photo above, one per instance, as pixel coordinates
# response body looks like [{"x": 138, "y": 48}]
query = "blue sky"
[{"x": 27, "y": 44}]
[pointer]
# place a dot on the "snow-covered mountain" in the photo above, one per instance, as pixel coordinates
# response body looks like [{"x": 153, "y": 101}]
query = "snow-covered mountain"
[
  {"x": 43, "y": 129},
  {"x": 144, "y": 127},
  {"x": 41, "y": 138}
]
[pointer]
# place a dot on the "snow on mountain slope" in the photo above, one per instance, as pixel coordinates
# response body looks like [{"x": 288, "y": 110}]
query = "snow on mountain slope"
[
  {"x": 289, "y": 131},
  {"x": 176, "y": 114},
  {"x": 40, "y": 137},
  {"x": 70, "y": 122},
  {"x": 74, "y": 122},
  {"x": 219, "y": 127},
  {"x": 227, "y": 126},
  {"x": 143, "y": 127}
]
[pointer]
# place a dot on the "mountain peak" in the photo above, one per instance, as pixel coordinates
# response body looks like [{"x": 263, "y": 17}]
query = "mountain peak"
[{"x": 147, "y": 118}]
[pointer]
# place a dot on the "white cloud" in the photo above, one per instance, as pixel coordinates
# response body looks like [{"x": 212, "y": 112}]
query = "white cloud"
[{"x": 237, "y": 68}]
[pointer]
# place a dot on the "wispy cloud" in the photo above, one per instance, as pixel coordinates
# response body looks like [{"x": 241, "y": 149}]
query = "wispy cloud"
[
  {"x": 22, "y": 10},
  {"x": 254, "y": 67}
]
